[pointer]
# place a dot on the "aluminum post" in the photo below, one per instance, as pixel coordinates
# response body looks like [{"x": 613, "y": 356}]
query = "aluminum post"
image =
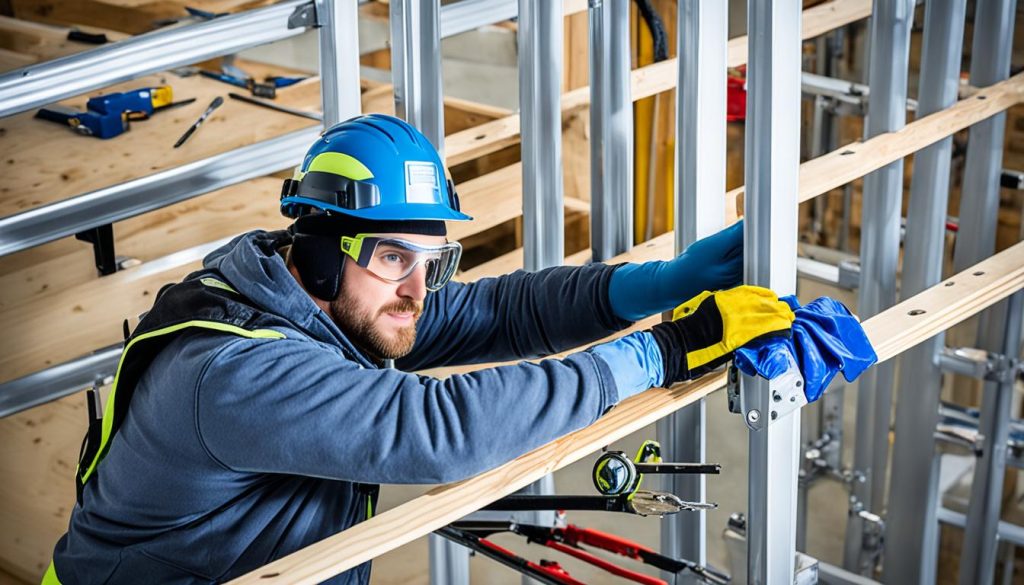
[
  {"x": 880, "y": 243},
  {"x": 339, "y": 59},
  {"x": 772, "y": 156},
  {"x": 419, "y": 100},
  {"x": 416, "y": 68},
  {"x": 911, "y": 528},
  {"x": 990, "y": 64},
  {"x": 611, "y": 130},
  {"x": 540, "y": 92},
  {"x": 1000, "y": 330},
  {"x": 699, "y": 209}
]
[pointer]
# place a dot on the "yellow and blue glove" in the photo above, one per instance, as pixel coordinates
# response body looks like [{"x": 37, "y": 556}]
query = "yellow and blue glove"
[
  {"x": 637, "y": 291},
  {"x": 704, "y": 333},
  {"x": 827, "y": 339}
]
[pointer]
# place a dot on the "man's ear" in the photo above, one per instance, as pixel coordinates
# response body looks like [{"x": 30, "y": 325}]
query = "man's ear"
[{"x": 319, "y": 261}]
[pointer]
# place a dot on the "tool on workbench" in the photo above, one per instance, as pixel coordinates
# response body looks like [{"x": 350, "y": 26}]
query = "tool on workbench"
[
  {"x": 110, "y": 115},
  {"x": 570, "y": 539},
  {"x": 615, "y": 474},
  {"x": 271, "y": 105},
  {"x": 231, "y": 74},
  {"x": 216, "y": 103}
]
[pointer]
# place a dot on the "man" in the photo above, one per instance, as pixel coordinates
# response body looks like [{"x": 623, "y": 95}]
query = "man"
[{"x": 253, "y": 414}]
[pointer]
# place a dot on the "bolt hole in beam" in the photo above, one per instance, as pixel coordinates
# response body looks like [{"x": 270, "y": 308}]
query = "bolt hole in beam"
[
  {"x": 982, "y": 97},
  {"x": 916, "y": 312},
  {"x": 978, "y": 273},
  {"x": 846, "y": 152},
  {"x": 950, "y": 283}
]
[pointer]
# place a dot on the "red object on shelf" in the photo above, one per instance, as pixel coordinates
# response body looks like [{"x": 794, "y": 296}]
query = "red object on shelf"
[{"x": 736, "y": 95}]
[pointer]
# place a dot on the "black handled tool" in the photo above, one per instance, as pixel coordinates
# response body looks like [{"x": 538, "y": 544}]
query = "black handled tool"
[
  {"x": 216, "y": 103},
  {"x": 271, "y": 105},
  {"x": 641, "y": 503}
]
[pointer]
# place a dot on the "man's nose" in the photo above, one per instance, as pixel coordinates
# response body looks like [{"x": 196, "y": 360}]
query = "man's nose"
[{"x": 415, "y": 285}]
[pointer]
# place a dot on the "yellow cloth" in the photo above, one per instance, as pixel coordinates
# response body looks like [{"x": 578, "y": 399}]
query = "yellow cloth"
[{"x": 746, "y": 313}]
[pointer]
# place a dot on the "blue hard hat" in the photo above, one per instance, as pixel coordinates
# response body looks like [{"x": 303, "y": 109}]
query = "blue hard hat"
[{"x": 373, "y": 167}]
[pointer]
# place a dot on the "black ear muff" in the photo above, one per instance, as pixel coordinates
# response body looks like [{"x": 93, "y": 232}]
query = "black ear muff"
[{"x": 319, "y": 261}]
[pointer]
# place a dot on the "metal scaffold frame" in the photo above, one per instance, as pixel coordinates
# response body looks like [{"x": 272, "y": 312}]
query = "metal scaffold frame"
[
  {"x": 702, "y": 47},
  {"x": 772, "y": 195},
  {"x": 772, "y": 152}
]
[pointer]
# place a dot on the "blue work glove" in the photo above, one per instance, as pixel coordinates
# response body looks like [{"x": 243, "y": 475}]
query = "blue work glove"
[
  {"x": 827, "y": 339},
  {"x": 635, "y": 362},
  {"x": 714, "y": 263}
]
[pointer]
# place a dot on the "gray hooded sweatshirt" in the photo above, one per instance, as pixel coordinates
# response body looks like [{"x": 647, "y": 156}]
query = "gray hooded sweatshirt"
[{"x": 237, "y": 451}]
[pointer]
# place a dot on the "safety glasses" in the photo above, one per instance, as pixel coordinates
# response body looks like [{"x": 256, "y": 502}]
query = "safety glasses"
[{"x": 393, "y": 260}]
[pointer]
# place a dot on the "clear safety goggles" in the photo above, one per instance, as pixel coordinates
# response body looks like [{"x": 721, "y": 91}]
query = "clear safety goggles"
[{"x": 393, "y": 259}]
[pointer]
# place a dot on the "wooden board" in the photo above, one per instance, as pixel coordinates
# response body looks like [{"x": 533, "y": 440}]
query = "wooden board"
[
  {"x": 128, "y": 16},
  {"x": 891, "y": 332},
  {"x": 646, "y": 81},
  {"x": 69, "y": 322}
]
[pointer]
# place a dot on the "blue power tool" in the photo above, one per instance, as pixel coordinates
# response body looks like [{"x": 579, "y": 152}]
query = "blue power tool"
[{"x": 109, "y": 115}]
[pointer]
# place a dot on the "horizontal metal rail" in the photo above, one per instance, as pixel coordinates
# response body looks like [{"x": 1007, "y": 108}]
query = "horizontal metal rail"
[
  {"x": 59, "y": 381},
  {"x": 96, "y": 368},
  {"x": 38, "y": 85},
  {"x": 71, "y": 216},
  {"x": 468, "y": 15}
]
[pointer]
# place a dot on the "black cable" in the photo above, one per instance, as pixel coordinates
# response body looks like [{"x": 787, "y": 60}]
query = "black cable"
[{"x": 657, "y": 28}]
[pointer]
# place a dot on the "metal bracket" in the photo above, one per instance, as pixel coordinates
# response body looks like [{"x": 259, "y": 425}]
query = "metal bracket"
[
  {"x": 787, "y": 396},
  {"x": 1010, "y": 179},
  {"x": 979, "y": 364},
  {"x": 102, "y": 240},
  {"x": 304, "y": 17}
]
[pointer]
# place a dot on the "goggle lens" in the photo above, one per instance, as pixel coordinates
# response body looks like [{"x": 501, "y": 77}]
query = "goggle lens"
[{"x": 394, "y": 260}]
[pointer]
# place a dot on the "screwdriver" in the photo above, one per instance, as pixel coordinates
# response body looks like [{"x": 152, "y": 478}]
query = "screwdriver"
[{"x": 216, "y": 103}]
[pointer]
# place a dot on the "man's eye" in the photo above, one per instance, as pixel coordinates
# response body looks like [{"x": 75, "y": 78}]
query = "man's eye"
[{"x": 392, "y": 258}]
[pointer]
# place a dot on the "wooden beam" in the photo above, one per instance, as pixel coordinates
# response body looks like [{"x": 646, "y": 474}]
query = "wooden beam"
[
  {"x": 88, "y": 316},
  {"x": 891, "y": 332},
  {"x": 646, "y": 81},
  {"x": 841, "y": 166}
]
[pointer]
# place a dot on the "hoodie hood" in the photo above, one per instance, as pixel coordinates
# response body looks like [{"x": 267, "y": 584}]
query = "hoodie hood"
[{"x": 252, "y": 265}]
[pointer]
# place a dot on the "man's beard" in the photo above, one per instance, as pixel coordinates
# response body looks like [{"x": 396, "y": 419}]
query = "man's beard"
[{"x": 361, "y": 328}]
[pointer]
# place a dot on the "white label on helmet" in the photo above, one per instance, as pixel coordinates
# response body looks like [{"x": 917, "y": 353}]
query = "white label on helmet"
[{"x": 421, "y": 182}]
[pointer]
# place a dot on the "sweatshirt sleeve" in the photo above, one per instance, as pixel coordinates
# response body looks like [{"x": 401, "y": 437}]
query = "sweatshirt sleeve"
[
  {"x": 296, "y": 407},
  {"x": 522, "y": 315}
]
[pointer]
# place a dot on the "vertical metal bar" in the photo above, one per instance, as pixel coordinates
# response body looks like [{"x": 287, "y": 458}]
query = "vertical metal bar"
[
  {"x": 700, "y": 211},
  {"x": 990, "y": 63},
  {"x": 339, "y": 59},
  {"x": 1000, "y": 331},
  {"x": 880, "y": 242},
  {"x": 416, "y": 67},
  {"x": 540, "y": 113},
  {"x": 611, "y": 130},
  {"x": 772, "y": 162},
  {"x": 419, "y": 100},
  {"x": 540, "y": 78},
  {"x": 912, "y": 532}
]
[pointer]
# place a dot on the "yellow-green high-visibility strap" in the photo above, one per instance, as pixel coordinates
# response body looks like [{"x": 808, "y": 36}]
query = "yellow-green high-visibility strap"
[
  {"x": 50, "y": 577},
  {"x": 108, "y": 410}
]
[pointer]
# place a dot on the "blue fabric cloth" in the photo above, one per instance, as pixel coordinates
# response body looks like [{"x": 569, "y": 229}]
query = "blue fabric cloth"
[
  {"x": 827, "y": 339},
  {"x": 635, "y": 362},
  {"x": 235, "y": 452},
  {"x": 638, "y": 291}
]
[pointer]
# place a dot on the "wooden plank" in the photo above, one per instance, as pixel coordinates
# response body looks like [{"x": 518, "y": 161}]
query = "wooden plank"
[
  {"x": 66, "y": 323},
  {"x": 892, "y": 332},
  {"x": 645, "y": 81},
  {"x": 820, "y": 175}
]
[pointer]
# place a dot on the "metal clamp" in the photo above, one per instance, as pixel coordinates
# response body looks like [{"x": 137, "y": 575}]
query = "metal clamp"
[
  {"x": 304, "y": 17},
  {"x": 979, "y": 364},
  {"x": 787, "y": 396}
]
